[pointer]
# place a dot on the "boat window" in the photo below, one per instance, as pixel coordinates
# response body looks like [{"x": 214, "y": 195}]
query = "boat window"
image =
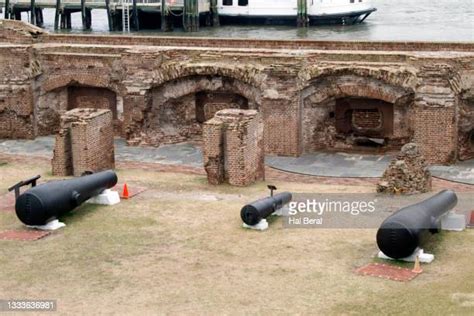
[
  {"x": 352, "y": 1},
  {"x": 227, "y": 2},
  {"x": 243, "y": 3}
]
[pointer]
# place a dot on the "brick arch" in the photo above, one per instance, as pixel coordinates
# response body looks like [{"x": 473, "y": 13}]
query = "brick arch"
[
  {"x": 60, "y": 92},
  {"x": 182, "y": 86},
  {"x": 466, "y": 125},
  {"x": 403, "y": 78},
  {"x": 329, "y": 100},
  {"x": 349, "y": 85},
  {"x": 174, "y": 112},
  {"x": 97, "y": 80},
  {"x": 249, "y": 75}
]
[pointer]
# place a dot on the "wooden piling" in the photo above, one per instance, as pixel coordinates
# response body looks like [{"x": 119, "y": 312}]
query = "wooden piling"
[
  {"x": 88, "y": 18},
  {"x": 215, "y": 13},
  {"x": 136, "y": 25},
  {"x": 33, "y": 12},
  {"x": 165, "y": 23},
  {"x": 39, "y": 17},
  {"x": 302, "y": 18},
  {"x": 17, "y": 14},
  {"x": 185, "y": 15},
  {"x": 68, "y": 20},
  {"x": 63, "y": 20},
  {"x": 7, "y": 9},
  {"x": 196, "y": 15},
  {"x": 109, "y": 16},
  {"x": 83, "y": 14},
  {"x": 56, "y": 14},
  {"x": 191, "y": 15}
]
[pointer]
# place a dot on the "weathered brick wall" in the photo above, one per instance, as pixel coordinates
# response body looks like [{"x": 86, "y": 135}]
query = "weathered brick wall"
[
  {"x": 435, "y": 130},
  {"x": 17, "y": 67},
  {"x": 466, "y": 125},
  {"x": 12, "y": 31},
  {"x": 435, "y": 113},
  {"x": 294, "y": 93},
  {"x": 84, "y": 142},
  {"x": 233, "y": 147}
]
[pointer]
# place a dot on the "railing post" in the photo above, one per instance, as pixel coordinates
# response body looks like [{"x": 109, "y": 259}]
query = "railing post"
[{"x": 33, "y": 12}]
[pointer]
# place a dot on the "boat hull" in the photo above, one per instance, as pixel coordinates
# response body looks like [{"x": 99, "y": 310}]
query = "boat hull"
[{"x": 346, "y": 18}]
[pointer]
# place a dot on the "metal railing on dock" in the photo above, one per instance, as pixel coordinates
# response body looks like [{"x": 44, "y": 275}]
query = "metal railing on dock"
[{"x": 121, "y": 14}]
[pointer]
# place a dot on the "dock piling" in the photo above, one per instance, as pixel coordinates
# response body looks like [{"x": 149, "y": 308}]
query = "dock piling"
[
  {"x": 7, "y": 9},
  {"x": 165, "y": 17},
  {"x": 109, "y": 16},
  {"x": 191, "y": 16},
  {"x": 83, "y": 14},
  {"x": 302, "y": 19},
  {"x": 214, "y": 13},
  {"x": 56, "y": 14},
  {"x": 33, "y": 12},
  {"x": 136, "y": 25}
]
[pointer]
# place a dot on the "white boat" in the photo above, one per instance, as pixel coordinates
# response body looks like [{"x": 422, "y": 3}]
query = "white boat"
[{"x": 285, "y": 11}]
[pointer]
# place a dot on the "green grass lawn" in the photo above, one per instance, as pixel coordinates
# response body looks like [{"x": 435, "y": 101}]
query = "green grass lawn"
[{"x": 179, "y": 248}]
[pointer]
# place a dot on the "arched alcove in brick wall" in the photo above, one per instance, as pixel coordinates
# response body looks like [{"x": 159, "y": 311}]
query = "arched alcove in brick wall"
[
  {"x": 60, "y": 94},
  {"x": 350, "y": 112},
  {"x": 179, "y": 107},
  {"x": 466, "y": 126}
]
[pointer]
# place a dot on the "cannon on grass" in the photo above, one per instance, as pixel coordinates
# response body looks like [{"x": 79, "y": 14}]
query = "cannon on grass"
[
  {"x": 45, "y": 202},
  {"x": 405, "y": 230},
  {"x": 254, "y": 212}
]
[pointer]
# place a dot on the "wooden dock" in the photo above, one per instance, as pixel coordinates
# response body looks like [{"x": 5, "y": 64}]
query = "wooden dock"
[{"x": 122, "y": 14}]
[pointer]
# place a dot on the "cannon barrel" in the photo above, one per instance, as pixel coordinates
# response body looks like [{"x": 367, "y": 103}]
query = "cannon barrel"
[
  {"x": 254, "y": 212},
  {"x": 47, "y": 201},
  {"x": 402, "y": 232}
]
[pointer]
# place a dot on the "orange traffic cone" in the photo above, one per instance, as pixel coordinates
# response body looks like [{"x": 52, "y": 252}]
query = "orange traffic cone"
[
  {"x": 125, "y": 194},
  {"x": 417, "y": 268}
]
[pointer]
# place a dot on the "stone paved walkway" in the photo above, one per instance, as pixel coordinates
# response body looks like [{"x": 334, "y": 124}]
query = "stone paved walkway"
[
  {"x": 179, "y": 154},
  {"x": 339, "y": 165},
  {"x": 333, "y": 164}
]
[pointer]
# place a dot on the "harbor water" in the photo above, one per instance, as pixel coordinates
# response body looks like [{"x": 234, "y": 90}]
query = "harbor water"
[{"x": 395, "y": 20}]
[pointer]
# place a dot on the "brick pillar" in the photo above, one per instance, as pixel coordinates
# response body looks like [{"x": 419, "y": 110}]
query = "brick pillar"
[
  {"x": 233, "y": 147},
  {"x": 85, "y": 142},
  {"x": 435, "y": 131},
  {"x": 213, "y": 135}
]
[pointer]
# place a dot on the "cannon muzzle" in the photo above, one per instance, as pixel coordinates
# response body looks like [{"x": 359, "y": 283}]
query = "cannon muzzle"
[
  {"x": 402, "y": 232},
  {"x": 254, "y": 212},
  {"x": 50, "y": 200}
]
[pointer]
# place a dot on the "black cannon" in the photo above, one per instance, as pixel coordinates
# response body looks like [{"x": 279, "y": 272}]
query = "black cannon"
[
  {"x": 405, "y": 230},
  {"x": 42, "y": 203},
  {"x": 254, "y": 212}
]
